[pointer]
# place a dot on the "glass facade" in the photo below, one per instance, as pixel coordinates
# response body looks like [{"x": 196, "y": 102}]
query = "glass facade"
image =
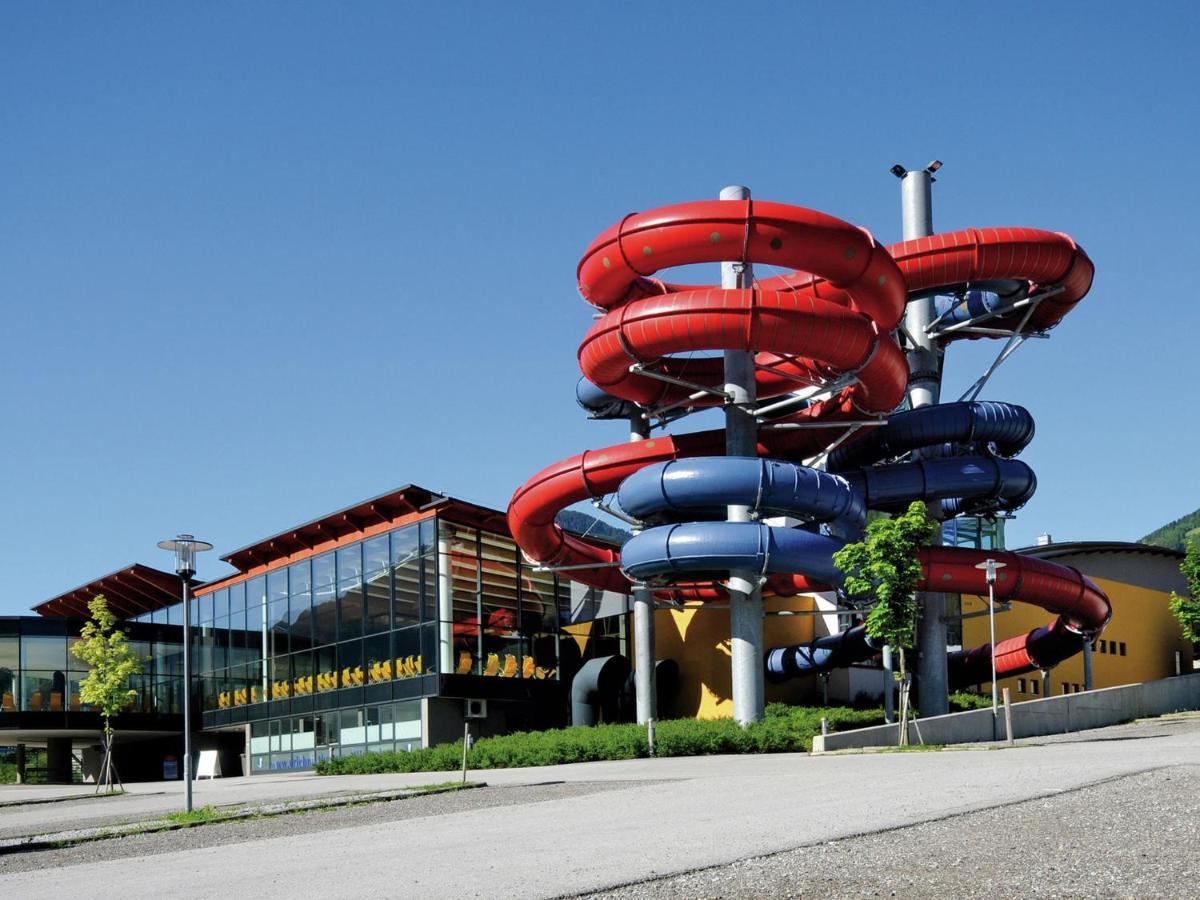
[
  {"x": 39, "y": 673},
  {"x": 296, "y": 742}
]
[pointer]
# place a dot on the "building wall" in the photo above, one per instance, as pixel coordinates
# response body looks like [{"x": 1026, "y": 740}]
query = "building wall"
[
  {"x": 698, "y": 640},
  {"x": 1141, "y": 621}
]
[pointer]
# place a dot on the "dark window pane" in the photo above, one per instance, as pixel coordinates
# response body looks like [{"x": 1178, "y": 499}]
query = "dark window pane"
[
  {"x": 377, "y": 658},
  {"x": 411, "y": 659},
  {"x": 406, "y": 579},
  {"x": 324, "y": 615},
  {"x": 350, "y": 610},
  {"x": 300, "y": 620},
  {"x": 379, "y": 602},
  {"x": 277, "y": 584},
  {"x": 256, "y": 592}
]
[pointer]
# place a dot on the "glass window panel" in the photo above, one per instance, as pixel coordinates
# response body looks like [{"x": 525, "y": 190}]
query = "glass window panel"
[
  {"x": 379, "y": 602},
  {"x": 43, "y": 651},
  {"x": 324, "y": 614},
  {"x": 256, "y": 592},
  {"x": 237, "y": 597},
  {"x": 277, "y": 622},
  {"x": 220, "y": 604},
  {"x": 277, "y": 585},
  {"x": 377, "y": 659},
  {"x": 300, "y": 577},
  {"x": 300, "y": 620},
  {"x": 326, "y": 675},
  {"x": 429, "y": 532},
  {"x": 405, "y": 543},
  {"x": 406, "y": 582},
  {"x": 410, "y": 660},
  {"x": 352, "y": 727},
  {"x": 175, "y": 614},
  {"x": 538, "y": 604},
  {"x": 375, "y": 554},
  {"x": 350, "y": 609},
  {"x": 349, "y": 563},
  {"x": 350, "y": 664},
  {"x": 407, "y": 719},
  {"x": 205, "y": 613},
  {"x": 323, "y": 571}
]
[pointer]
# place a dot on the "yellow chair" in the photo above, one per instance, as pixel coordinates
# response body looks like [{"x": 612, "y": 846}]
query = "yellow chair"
[
  {"x": 465, "y": 661},
  {"x": 493, "y": 664},
  {"x": 510, "y": 666},
  {"x": 35, "y": 700},
  {"x": 223, "y": 700},
  {"x": 527, "y": 667},
  {"x": 417, "y": 670},
  {"x": 55, "y": 702},
  {"x": 358, "y": 676},
  {"x": 386, "y": 670},
  {"x": 75, "y": 702},
  {"x": 7, "y": 704}
]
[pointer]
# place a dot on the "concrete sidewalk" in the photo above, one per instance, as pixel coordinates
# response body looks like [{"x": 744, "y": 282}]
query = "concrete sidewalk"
[{"x": 686, "y": 814}]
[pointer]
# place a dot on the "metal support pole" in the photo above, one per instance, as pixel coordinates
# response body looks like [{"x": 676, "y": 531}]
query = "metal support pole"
[
  {"x": 889, "y": 689},
  {"x": 741, "y": 439},
  {"x": 1045, "y": 682},
  {"x": 187, "y": 696},
  {"x": 924, "y": 389},
  {"x": 643, "y": 626},
  {"x": 445, "y": 605},
  {"x": 992, "y": 629},
  {"x": 1087, "y": 666}
]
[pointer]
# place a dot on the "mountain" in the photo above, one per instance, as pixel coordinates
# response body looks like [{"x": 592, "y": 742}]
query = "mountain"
[
  {"x": 582, "y": 523},
  {"x": 1176, "y": 534}
]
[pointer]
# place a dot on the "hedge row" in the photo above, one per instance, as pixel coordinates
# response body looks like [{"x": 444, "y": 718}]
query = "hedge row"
[{"x": 785, "y": 729}]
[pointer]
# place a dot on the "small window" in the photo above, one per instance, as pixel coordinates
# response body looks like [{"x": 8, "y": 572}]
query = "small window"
[
  {"x": 1066, "y": 688},
  {"x": 1078, "y": 688},
  {"x": 1020, "y": 685},
  {"x": 1035, "y": 687},
  {"x": 1122, "y": 647},
  {"x": 1103, "y": 646}
]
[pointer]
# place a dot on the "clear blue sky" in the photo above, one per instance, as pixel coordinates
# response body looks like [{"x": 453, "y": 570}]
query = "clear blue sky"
[{"x": 259, "y": 261}]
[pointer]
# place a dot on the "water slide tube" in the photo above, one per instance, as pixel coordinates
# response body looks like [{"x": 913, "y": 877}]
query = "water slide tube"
[{"x": 832, "y": 317}]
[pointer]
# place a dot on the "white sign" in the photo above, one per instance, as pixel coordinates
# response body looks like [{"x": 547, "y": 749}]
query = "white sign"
[{"x": 209, "y": 765}]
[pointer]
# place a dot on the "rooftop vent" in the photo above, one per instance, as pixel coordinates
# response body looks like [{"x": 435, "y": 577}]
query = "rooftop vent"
[{"x": 1044, "y": 539}]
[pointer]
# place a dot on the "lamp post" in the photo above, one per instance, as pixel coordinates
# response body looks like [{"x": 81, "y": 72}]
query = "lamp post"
[
  {"x": 185, "y": 547},
  {"x": 989, "y": 567}
]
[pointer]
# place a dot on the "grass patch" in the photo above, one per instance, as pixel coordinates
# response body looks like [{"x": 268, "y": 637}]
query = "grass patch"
[
  {"x": 786, "y": 729},
  {"x": 202, "y": 816}
]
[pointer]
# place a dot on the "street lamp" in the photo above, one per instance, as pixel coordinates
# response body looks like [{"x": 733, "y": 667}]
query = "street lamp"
[
  {"x": 185, "y": 547},
  {"x": 989, "y": 567}
]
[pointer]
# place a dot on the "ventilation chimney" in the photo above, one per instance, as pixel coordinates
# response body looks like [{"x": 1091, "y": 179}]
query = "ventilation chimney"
[{"x": 1044, "y": 539}]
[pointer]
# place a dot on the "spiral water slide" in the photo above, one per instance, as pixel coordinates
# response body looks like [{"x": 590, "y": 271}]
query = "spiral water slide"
[{"x": 828, "y": 323}]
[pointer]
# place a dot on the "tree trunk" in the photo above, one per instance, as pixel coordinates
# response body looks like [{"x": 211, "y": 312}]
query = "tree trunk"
[{"x": 903, "y": 700}]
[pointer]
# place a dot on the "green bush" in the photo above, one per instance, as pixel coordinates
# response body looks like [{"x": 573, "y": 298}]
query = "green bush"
[
  {"x": 8, "y": 773},
  {"x": 961, "y": 701},
  {"x": 786, "y": 729}
]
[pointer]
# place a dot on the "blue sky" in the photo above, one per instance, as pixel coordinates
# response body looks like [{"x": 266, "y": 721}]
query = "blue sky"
[{"x": 259, "y": 261}]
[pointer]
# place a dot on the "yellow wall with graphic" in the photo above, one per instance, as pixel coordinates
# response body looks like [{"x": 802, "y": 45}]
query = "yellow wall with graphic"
[
  {"x": 1141, "y": 622},
  {"x": 698, "y": 640}
]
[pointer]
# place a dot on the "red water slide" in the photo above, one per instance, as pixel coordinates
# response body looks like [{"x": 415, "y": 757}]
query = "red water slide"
[{"x": 830, "y": 320}]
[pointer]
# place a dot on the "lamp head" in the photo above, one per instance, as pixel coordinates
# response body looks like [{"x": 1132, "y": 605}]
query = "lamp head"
[{"x": 185, "y": 547}]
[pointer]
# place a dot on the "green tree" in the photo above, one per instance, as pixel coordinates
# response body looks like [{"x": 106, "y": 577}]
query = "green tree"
[
  {"x": 883, "y": 569},
  {"x": 113, "y": 662},
  {"x": 1187, "y": 609}
]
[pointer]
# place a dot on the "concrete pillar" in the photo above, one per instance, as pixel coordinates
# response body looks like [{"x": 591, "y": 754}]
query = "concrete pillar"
[
  {"x": 20, "y": 763},
  {"x": 741, "y": 439},
  {"x": 58, "y": 760},
  {"x": 445, "y": 607},
  {"x": 924, "y": 389}
]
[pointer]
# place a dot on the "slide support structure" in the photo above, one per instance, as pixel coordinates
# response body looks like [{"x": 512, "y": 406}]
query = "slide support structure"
[
  {"x": 741, "y": 439},
  {"x": 924, "y": 389},
  {"x": 644, "y": 685}
]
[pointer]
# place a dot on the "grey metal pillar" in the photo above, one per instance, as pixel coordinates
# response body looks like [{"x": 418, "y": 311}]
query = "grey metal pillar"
[
  {"x": 187, "y": 694},
  {"x": 1087, "y": 666},
  {"x": 889, "y": 689},
  {"x": 1045, "y": 682},
  {"x": 741, "y": 439},
  {"x": 445, "y": 602},
  {"x": 924, "y": 389},
  {"x": 643, "y": 621}
]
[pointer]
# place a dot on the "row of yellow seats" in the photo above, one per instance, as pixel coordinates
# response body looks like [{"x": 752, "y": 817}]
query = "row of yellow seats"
[
  {"x": 409, "y": 667},
  {"x": 239, "y": 697},
  {"x": 8, "y": 703},
  {"x": 510, "y": 668}
]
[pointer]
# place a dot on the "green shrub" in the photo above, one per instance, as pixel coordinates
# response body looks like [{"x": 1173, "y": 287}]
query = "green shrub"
[
  {"x": 786, "y": 729},
  {"x": 961, "y": 701}
]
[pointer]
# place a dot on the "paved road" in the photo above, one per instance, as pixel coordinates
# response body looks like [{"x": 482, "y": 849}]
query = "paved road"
[{"x": 669, "y": 817}]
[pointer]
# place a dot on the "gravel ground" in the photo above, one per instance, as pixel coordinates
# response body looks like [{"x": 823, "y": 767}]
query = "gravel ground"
[
  {"x": 1134, "y": 837},
  {"x": 299, "y": 823}
]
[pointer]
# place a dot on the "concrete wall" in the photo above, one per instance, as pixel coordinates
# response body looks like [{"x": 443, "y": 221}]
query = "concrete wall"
[{"x": 1052, "y": 715}]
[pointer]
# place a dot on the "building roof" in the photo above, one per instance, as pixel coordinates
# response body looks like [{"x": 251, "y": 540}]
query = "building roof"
[
  {"x": 1075, "y": 548},
  {"x": 130, "y": 591}
]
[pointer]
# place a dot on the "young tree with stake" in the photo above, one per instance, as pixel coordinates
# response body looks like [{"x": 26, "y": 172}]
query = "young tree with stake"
[{"x": 113, "y": 662}]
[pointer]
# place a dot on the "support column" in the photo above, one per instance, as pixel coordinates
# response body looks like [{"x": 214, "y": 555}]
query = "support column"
[
  {"x": 445, "y": 606},
  {"x": 643, "y": 620},
  {"x": 1087, "y": 666},
  {"x": 58, "y": 760},
  {"x": 924, "y": 389},
  {"x": 741, "y": 439}
]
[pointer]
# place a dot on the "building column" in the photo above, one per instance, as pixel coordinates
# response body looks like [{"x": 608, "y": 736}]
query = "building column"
[{"x": 58, "y": 760}]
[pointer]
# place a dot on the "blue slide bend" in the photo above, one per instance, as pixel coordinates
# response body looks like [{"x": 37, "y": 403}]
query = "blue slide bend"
[{"x": 697, "y": 490}]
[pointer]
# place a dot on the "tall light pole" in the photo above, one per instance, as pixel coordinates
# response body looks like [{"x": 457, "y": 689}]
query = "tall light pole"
[
  {"x": 989, "y": 567},
  {"x": 185, "y": 547}
]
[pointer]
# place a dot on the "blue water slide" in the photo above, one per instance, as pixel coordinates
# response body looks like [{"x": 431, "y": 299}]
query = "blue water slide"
[
  {"x": 1002, "y": 428},
  {"x": 600, "y": 404},
  {"x": 695, "y": 551},
  {"x": 832, "y": 652},
  {"x": 702, "y": 489},
  {"x": 962, "y": 483}
]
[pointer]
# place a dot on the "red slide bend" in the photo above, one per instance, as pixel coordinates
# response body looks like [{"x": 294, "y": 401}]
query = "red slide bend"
[{"x": 832, "y": 316}]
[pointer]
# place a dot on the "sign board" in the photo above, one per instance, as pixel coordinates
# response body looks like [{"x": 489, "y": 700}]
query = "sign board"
[{"x": 209, "y": 765}]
